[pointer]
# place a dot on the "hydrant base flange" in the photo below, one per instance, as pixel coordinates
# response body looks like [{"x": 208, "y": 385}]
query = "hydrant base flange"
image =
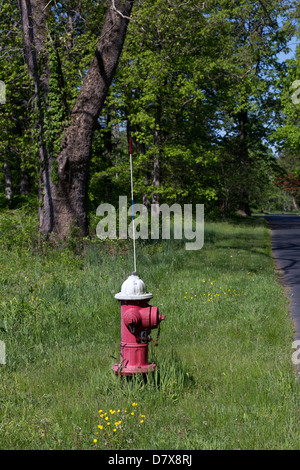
[{"x": 133, "y": 370}]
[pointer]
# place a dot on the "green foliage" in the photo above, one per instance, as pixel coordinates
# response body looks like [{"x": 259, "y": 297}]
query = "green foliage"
[
  {"x": 15, "y": 115},
  {"x": 288, "y": 134},
  {"x": 187, "y": 73}
]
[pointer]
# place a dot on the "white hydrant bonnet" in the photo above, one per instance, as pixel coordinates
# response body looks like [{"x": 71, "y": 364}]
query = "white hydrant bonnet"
[{"x": 133, "y": 289}]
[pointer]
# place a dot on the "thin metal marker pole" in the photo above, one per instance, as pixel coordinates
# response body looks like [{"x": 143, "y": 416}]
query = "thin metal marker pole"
[{"x": 132, "y": 205}]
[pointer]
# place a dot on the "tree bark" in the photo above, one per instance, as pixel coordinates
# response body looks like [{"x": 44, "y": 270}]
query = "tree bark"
[
  {"x": 24, "y": 182},
  {"x": 296, "y": 207}
]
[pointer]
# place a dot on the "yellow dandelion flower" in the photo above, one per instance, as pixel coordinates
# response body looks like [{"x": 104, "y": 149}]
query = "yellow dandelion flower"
[
  {"x": 114, "y": 430},
  {"x": 141, "y": 421},
  {"x": 95, "y": 440},
  {"x": 132, "y": 413},
  {"x": 99, "y": 426},
  {"x": 106, "y": 418}
]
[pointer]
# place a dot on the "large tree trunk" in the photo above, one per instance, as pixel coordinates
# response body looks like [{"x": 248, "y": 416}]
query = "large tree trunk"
[
  {"x": 74, "y": 159},
  {"x": 296, "y": 207},
  {"x": 68, "y": 196},
  {"x": 24, "y": 182}
]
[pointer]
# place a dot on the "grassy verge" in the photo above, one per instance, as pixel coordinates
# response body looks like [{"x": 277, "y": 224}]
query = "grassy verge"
[{"x": 224, "y": 378}]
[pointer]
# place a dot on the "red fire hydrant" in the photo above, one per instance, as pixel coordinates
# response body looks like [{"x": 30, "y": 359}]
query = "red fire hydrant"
[{"x": 138, "y": 318}]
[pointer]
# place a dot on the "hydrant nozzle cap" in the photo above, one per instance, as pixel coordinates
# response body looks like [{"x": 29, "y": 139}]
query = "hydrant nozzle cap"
[{"x": 133, "y": 289}]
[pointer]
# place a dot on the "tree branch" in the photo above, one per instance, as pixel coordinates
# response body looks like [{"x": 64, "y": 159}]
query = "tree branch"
[
  {"x": 113, "y": 6},
  {"x": 273, "y": 24}
]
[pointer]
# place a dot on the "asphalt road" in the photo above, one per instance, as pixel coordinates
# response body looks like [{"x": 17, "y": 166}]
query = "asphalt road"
[{"x": 286, "y": 251}]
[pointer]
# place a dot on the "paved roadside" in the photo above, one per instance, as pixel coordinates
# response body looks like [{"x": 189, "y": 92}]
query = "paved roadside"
[{"x": 286, "y": 251}]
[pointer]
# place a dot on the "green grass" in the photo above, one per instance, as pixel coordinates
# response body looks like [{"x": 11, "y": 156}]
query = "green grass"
[{"x": 224, "y": 376}]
